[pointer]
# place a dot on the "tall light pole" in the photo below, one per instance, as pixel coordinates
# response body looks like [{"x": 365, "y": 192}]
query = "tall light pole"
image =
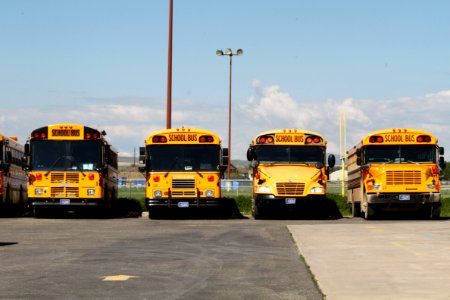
[
  {"x": 229, "y": 52},
  {"x": 169, "y": 69}
]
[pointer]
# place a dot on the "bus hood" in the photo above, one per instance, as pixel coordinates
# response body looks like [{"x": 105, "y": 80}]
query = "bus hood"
[{"x": 293, "y": 173}]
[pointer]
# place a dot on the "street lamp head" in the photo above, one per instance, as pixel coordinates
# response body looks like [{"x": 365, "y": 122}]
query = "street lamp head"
[
  {"x": 239, "y": 52},
  {"x": 219, "y": 52},
  {"x": 228, "y": 51}
]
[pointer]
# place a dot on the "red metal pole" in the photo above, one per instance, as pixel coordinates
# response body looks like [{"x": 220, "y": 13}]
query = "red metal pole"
[
  {"x": 169, "y": 69},
  {"x": 229, "y": 119}
]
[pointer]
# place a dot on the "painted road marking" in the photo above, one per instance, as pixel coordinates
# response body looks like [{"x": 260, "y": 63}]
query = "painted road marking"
[{"x": 118, "y": 277}]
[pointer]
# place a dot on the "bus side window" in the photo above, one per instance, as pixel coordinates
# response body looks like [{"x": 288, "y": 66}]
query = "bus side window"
[{"x": 8, "y": 157}]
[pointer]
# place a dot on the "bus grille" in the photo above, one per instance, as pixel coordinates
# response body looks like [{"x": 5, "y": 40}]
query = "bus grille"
[
  {"x": 72, "y": 177},
  {"x": 64, "y": 178},
  {"x": 183, "y": 193},
  {"x": 64, "y": 192},
  {"x": 403, "y": 177},
  {"x": 183, "y": 183},
  {"x": 290, "y": 188}
]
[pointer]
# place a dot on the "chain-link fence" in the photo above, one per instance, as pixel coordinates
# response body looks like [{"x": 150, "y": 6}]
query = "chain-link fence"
[{"x": 135, "y": 188}]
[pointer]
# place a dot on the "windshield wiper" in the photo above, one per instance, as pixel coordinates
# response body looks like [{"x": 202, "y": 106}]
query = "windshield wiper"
[
  {"x": 53, "y": 165},
  {"x": 72, "y": 159},
  {"x": 171, "y": 167}
]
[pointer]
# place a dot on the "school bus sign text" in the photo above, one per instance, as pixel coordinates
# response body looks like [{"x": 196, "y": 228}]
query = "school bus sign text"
[{"x": 289, "y": 138}]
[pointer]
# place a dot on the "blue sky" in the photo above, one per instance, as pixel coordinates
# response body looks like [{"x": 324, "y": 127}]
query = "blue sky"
[{"x": 104, "y": 64}]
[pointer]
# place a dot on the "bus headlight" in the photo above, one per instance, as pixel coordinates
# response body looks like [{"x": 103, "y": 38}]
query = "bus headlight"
[
  {"x": 209, "y": 193},
  {"x": 90, "y": 192},
  {"x": 318, "y": 189},
  {"x": 38, "y": 191},
  {"x": 431, "y": 187},
  {"x": 377, "y": 187},
  {"x": 157, "y": 194},
  {"x": 263, "y": 189}
]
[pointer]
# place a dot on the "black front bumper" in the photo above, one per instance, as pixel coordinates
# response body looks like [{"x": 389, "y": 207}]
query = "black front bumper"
[
  {"x": 78, "y": 202},
  {"x": 265, "y": 200},
  {"x": 182, "y": 203}
]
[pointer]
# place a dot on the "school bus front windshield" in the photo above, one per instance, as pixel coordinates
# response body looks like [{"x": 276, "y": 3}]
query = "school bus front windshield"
[
  {"x": 290, "y": 154},
  {"x": 65, "y": 155},
  {"x": 400, "y": 154},
  {"x": 184, "y": 158}
]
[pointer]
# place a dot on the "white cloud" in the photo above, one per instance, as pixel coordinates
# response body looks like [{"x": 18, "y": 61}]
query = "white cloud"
[
  {"x": 129, "y": 122},
  {"x": 271, "y": 108}
]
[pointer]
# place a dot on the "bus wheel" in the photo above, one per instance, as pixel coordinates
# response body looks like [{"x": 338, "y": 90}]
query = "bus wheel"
[
  {"x": 369, "y": 214},
  {"x": 435, "y": 212},
  {"x": 154, "y": 213},
  {"x": 38, "y": 212},
  {"x": 257, "y": 212},
  {"x": 8, "y": 197}
]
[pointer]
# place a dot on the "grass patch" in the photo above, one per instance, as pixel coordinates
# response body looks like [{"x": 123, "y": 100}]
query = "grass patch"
[
  {"x": 244, "y": 204},
  {"x": 137, "y": 194},
  {"x": 445, "y": 207},
  {"x": 341, "y": 203}
]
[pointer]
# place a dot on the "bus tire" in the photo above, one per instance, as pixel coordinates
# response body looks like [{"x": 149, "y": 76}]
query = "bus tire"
[
  {"x": 154, "y": 213},
  {"x": 38, "y": 212},
  {"x": 369, "y": 214},
  {"x": 435, "y": 212},
  {"x": 257, "y": 212},
  {"x": 8, "y": 198}
]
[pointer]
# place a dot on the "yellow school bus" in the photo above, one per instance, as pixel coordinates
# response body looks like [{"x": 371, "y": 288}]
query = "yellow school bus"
[
  {"x": 70, "y": 166},
  {"x": 13, "y": 180},
  {"x": 183, "y": 170},
  {"x": 288, "y": 169},
  {"x": 395, "y": 169}
]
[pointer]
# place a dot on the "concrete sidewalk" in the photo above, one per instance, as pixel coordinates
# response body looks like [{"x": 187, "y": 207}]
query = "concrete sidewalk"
[{"x": 378, "y": 260}]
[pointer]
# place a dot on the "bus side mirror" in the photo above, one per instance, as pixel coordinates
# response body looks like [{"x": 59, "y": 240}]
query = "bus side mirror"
[
  {"x": 27, "y": 149},
  {"x": 441, "y": 150},
  {"x": 142, "y": 160},
  {"x": 222, "y": 169},
  {"x": 225, "y": 156},
  {"x": 442, "y": 163},
  {"x": 358, "y": 157},
  {"x": 358, "y": 161},
  {"x": 141, "y": 155},
  {"x": 251, "y": 155},
  {"x": 331, "y": 161}
]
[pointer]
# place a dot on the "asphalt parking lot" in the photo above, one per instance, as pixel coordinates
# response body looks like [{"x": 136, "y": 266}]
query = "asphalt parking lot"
[{"x": 139, "y": 258}]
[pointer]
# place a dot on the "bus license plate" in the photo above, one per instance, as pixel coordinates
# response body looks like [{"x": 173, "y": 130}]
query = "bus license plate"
[
  {"x": 291, "y": 200},
  {"x": 64, "y": 201},
  {"x": 183, "y": 204},
  {"x": 404, "y": 197}
]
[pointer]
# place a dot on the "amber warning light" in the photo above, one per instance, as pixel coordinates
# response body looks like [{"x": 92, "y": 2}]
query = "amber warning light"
[
  {"x": 159, "y": 139},
  {"x": 41, "y": 133},
  {"x": 206, "y": 139},
  {"x": 265, "y": 139}
]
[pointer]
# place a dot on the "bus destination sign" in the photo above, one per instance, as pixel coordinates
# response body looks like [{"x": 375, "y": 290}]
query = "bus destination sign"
[
  {"x": 183, "y": 137},
  {"x": 289, "y": 138},
  {"x": 66, "y": 132}
]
